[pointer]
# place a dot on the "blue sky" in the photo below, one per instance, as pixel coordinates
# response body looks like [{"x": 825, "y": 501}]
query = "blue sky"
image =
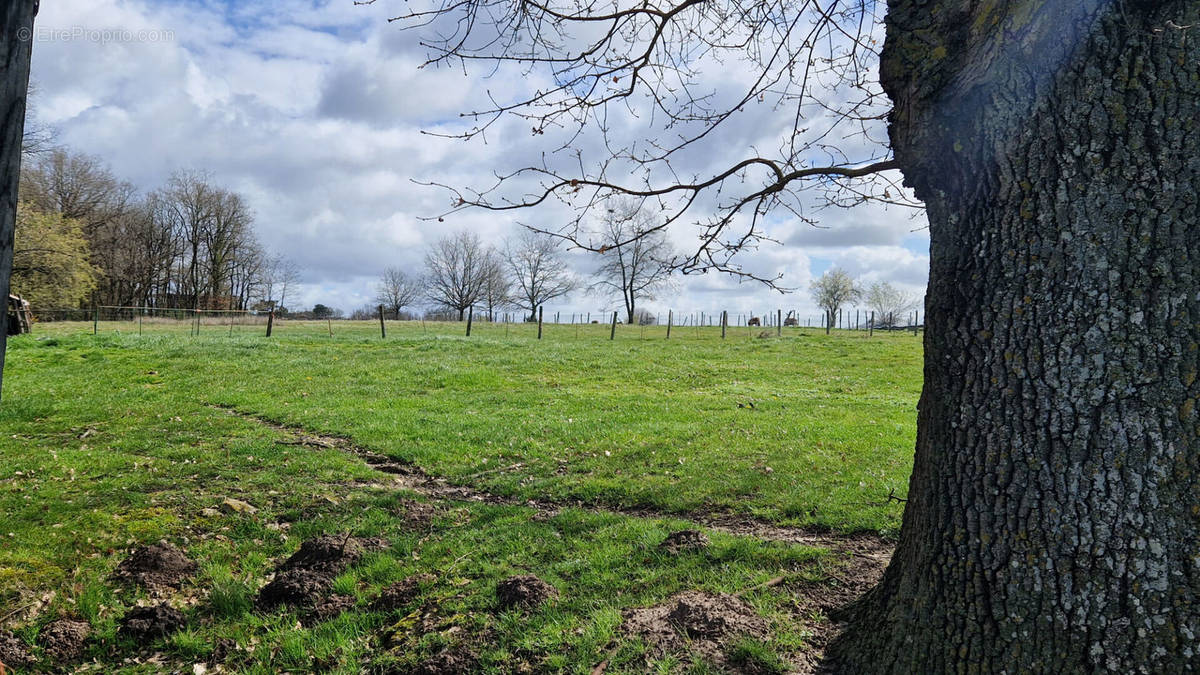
[{"x": 314, "y": 111}]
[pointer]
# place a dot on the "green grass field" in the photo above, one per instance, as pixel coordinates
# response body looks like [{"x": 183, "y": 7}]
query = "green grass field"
[{"x": 126, "y": 437}]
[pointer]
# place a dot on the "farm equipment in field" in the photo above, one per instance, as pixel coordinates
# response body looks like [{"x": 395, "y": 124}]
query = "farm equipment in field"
[
  {"x": 18, "y": 316},
  {"x": 791, "y": 319}
]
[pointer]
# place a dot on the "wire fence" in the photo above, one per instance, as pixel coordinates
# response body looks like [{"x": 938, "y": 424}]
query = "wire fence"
[{"x": 558, "y": 325}]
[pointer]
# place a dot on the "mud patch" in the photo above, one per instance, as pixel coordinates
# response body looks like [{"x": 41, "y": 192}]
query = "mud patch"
[
  {"x": 147, "y": 623},
  {"x": 525, "y": 591},
  {"x": 401, "y": 593},
  {"x": 64, "y": 639},
  {"x": 684, "y": 540},
  {"x": 694, "y": 622},
  {"x": 157, "y": 566},
  {"x": 294, "y": 587},
  {"x": 14, "y": 653}
]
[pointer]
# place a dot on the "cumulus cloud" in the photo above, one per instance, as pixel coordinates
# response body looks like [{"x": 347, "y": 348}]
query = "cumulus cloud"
[{"x": 315, "y": 110}]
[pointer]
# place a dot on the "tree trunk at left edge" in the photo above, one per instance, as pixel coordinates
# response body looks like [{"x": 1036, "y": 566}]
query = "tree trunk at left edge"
[{"x": 16, "y": 47}]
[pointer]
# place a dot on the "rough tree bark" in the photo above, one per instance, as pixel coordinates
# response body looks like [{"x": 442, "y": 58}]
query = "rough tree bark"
[
  {"x": 16, "y": 46},
  {"x": 1052, "y": 517}
]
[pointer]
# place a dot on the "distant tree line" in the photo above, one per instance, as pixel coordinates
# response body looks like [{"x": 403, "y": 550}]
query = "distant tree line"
[
  {"x": 529, "y": 270},
  {"x": 84, "y": 236}
]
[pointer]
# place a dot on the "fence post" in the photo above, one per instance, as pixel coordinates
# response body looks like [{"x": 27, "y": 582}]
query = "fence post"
[
  {"x": 470, "y": 317},
  {"x": 540, "y": 309},
  {"x": 382, "y": 328},
  {"x": 556, "y": 317},
  {"x": 916, "y": 320},
  {"x": 871, "y": 326},
  {"x": 95, "y": 319},
  {"x": 612, "y": 335},
  {"x": 327, "y": 320},
  {"x": 270, "y": 322},
  {"x": 778, "y": 323},
  {"x": 670, "y": 319},
  {"x": 724, "y": 322},
  {"x": 231, "y": 324}
]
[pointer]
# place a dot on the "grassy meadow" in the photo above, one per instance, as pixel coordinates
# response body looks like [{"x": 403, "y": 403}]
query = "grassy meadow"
[{"x": 137, "y": 434}]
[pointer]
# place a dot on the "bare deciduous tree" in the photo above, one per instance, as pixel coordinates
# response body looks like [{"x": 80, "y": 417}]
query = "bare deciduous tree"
[
  {"x": 397, "y": 290},
  {"x": 539, "y": 271},
  {"x": 832, "y": 291},
  {"x": 636, "y": 259},
  {"x": 497, "y": 290},
  {"x": 280, "y": 275},
  {"x": 456, "y": 272},
  {"x": 889, "y": 303}
]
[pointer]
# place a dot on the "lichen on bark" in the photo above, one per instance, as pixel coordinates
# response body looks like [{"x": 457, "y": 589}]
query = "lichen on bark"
[{"x": 1052, "y": 516}]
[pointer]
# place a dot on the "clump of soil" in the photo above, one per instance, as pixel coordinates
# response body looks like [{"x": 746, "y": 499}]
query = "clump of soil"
[
  {"x": 327, "y": 554},
  {"x": 704, "y": 616},
  {"x": 684, "y": 540},
  {"x": 156, "y": 566},
  {"x": 221, "y": 651},
  {"x": 305, "y": 578},
  {"x": 695, "y": 621},
  {"x": 294, "y": 587},
  {"x": 13, "y": 652},
  {"x": 145, "y": 623},
  {"x": 450, "y": 661},
  {"x": 418, "y": 515},
  {"x": 401, "y": 593},
  {"x": 64, "y": 639},
  {"x": 373, "y": 544},
  {"x": 328, "y": 608},
  {"x": 524, "y": 590}
]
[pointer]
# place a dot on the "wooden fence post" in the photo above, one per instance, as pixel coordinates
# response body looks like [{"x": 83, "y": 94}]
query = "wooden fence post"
[
  {"x": 778, "y": 323},
  {"x": 270, "y": 322},
  {"x": 95, "y": 319},
  {"x": 540, "y": 309},
  {"x": 328, "y": 321},
  {"x": 724, "y": 322},
  {"x": 470, "y": 318},
  {"x": 612, "y": 335},
  {"x": 871, "y": 326},
  {"x": 670, "y": 319},
  {"x": 382, "y": 328}
]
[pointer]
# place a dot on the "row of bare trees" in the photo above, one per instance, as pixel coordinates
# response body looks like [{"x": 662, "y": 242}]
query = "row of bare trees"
[
  {"x": 530, "y": 269},
  {"x": 836, "y": 289},
  {"x": 189, "y": 243}
]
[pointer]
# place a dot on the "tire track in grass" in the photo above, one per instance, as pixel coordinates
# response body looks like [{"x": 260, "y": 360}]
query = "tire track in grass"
[{"x": 875, "y": 550}]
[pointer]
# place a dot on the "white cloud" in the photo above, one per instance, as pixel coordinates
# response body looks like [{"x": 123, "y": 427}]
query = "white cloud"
[{"x": 314, "y": 111}]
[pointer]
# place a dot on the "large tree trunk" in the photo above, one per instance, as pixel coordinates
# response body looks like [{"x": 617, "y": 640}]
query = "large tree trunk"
[
  {"x": 1052, "y": 521},
  {"x": 16, "y": 46}
]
